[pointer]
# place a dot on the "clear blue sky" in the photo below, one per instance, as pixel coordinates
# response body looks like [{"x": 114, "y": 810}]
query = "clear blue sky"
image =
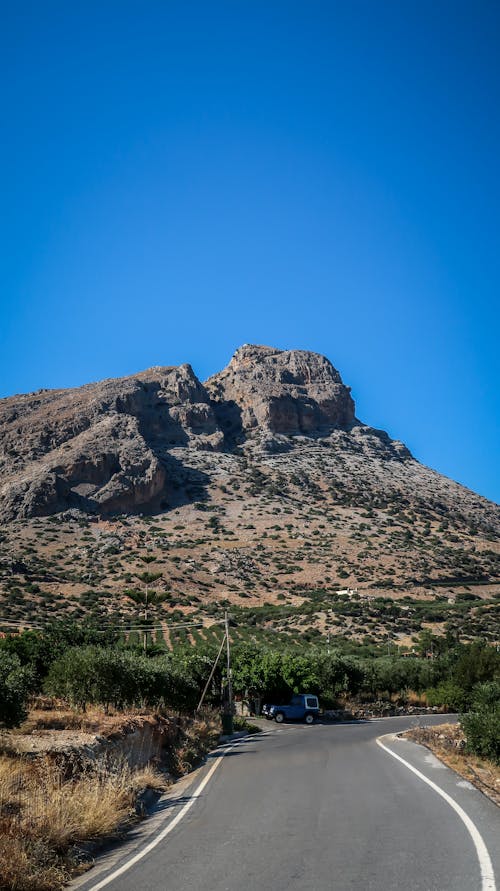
[{"x": 179, "y": 178}]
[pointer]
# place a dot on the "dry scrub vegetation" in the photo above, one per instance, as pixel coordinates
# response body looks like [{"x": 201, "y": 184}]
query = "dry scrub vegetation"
[
  {"x": 285, "y": 532},
  {"x": 45, "y": 816},
  {"x": 49, "y": 814},
  {"x": 196, "y": 740},
  {"x": 447, "y": 742}
]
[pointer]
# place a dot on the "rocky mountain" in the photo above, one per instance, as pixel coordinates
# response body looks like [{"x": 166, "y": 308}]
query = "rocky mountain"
[
  {"x": 279, "y": 393},
  {"x": 108, "y": 447},
  {"x": 99, "y": 448},
  {"x": 258, "y": 486}
]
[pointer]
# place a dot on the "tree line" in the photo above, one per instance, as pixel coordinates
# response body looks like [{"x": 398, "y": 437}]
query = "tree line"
[{"x": 85, "y": 666}]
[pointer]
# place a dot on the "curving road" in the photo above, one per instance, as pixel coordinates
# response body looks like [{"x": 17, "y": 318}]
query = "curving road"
[{"x": 313, "y": 808}]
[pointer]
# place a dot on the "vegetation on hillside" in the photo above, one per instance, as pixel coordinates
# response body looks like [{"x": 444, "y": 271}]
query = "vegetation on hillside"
[
  {"x": 84, "y": 668},
  {"x": 278, "y": 538}
]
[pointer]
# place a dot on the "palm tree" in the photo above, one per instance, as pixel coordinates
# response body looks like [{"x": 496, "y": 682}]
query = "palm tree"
[{"x": 146, "y": 597}]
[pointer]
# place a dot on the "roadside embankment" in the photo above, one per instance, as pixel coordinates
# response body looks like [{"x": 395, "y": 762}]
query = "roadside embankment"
[
  {"x": 68, "y": 781},
  {"x": 448, "y": 743}
]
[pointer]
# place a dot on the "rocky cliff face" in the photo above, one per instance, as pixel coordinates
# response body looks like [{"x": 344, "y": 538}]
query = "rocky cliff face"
[
  {"x": 161, "y": 438},
  {"x": 106, "y": 447},
  {"x": 100, "y": 448},
  {"x": 284, "y": 392}
]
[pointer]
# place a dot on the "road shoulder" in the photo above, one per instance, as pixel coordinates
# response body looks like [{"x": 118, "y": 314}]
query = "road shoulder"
[
  {"x": 447, "y": 743},
  {"x": 167, "y": 811},
  {"x": 479, "y": 814}
]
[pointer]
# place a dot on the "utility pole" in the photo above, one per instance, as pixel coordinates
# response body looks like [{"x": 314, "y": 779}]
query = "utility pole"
[
  {"x": 227, "y": 717},
  {"x": 212, "y": 672}
]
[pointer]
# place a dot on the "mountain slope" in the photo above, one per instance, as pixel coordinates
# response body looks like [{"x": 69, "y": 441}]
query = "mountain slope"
[{"x": 258, "y": 487}]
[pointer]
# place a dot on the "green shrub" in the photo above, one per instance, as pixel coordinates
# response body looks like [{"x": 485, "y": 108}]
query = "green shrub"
[
  {"x": 277, "y": 675},
  {"x": 38, "y": 649},
  {"x": 448, "y": 695},
  {"x": 99, "y": 676},
  {"x": 476, "y": 664},
  {"x": 482, "y": 724},
  {"x": 240, "y": 723},
  {"x": 16, "y": 684}
]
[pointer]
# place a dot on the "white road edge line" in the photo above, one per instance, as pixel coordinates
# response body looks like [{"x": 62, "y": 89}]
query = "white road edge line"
[
  {"x": 485, "y": 864},
  {"x": 161, "y": 835}
]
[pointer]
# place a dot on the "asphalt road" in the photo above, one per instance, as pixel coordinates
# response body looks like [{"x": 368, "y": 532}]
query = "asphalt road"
[{"x": 314, "y": 808}]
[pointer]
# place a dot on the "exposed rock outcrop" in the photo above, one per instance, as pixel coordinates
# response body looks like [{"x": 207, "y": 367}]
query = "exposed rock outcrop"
[
  {"x": 160, "y": 438},
  {"x": 101, "y": 447},
  {"x": 285, "y": 392}
]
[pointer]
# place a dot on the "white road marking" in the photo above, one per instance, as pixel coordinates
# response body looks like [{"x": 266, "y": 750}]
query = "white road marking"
[
  {"x": 161, "y": 835},
  {"x": 464, "y": 784},
  {"x": 434, "y": 762},
  {"x": 485, "y": 864}
]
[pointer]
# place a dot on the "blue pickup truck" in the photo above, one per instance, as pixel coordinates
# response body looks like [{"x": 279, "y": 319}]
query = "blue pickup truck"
[{"x": 303, "y": 707}]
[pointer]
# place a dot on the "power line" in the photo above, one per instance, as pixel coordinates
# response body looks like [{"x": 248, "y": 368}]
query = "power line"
[{"x": 119, "y": 628}]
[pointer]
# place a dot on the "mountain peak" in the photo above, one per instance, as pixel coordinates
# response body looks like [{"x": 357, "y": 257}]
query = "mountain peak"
[
  {"x": 151, "y": 439},
  {"x": 289, "y": 392}
]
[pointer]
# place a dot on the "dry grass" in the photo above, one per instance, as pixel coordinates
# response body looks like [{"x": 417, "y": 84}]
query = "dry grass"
[
  {"x": 446, "y": 741},
  {"x": 29, "y": 866},
  {"x": 52, "y": 714},
  {"x": 58, "y": 729},
  {"x": 149, "y": 778},
  {"x": 197, "y": 739},
  {"x": 46, "y": 813},
  {"x": 43, "y": 814},
  {"x": 417, "y": 699}
]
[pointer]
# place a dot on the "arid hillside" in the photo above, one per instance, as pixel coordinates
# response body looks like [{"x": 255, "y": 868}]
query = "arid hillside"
[{"x": 259, "y": 488}]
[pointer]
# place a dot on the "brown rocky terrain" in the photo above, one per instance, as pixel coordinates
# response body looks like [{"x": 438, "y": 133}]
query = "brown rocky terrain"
[
  {"x": 97, "y": 448},
  {"x": 259, "y": 488},
  {"x": 278, "y": 393}
]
